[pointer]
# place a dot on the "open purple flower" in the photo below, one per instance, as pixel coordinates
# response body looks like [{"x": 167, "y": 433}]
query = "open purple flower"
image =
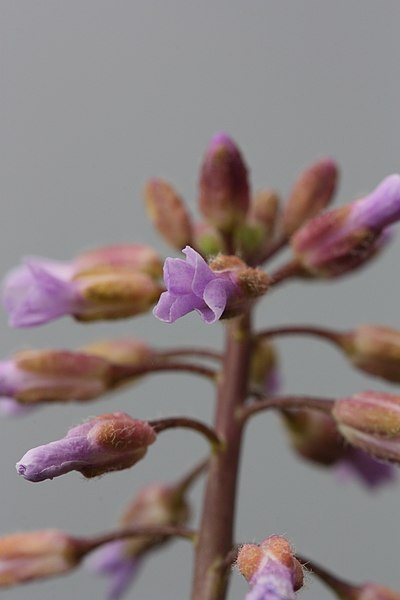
[
  {"x": 193, "y": 285},
  {"x": 110, "y": 442},
  {"x": 369, "y": 471}
]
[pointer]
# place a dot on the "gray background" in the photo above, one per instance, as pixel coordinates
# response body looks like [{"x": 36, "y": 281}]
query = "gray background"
[{"x": 97, "y": 97}]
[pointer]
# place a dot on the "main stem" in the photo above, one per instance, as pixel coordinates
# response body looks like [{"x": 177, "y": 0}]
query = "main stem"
[{"x": 217, "y": 523}]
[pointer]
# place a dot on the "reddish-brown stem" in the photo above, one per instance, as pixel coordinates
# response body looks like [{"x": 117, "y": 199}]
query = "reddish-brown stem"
[
  {"x": 183, "y": 422},
  {"x": 283, "y": 402},
  {"x": 217, "y": 522},
  {"x": 191, "y": 352},
  {"x": 342, "y": 588},
  {"x": 122, "y": 373},
  {"x": 321, "y": 332},
  {"x": 87, "y": 545},
  {"x": 287, "y": 271}
]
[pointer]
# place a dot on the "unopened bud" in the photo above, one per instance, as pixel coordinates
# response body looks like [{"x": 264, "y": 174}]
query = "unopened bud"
[
  {"x": 36, "y": 555},
  {"x": 168, "y": 213},
  {"x": 314, "y": 436},
  {"x": 375, "y": 350},
  {"x": 263, "y": 366},
  {"x": 35, "y": 376},
  {"x": 341, "y": 240},
  {"x": 255, "y": 234},
  {"x": 371, "y": 421},
  {"x": 224, "y": 189},
  {"x": 110, "y": 442},
  {"x": 207, "y": 240},
  {"x": 372, "y": 591},
  {"x": 271, "y": 567},
  {"x": 122, "y": 351},
  {"x": 312, "y": 192}
]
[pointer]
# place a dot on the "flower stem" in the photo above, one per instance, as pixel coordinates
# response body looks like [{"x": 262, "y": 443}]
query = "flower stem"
[
  {"x": 341, "y": 588},
  {"x": 282, "y": 402},
  {"x": 217, "y": 523},
  {"x": 287, "y": 271},
  {"x": 328, "y": 334},
  {"x": 191, "y": 352},
  {"x": 186, "y": 423},
  {"x": 122, "y": 373}
]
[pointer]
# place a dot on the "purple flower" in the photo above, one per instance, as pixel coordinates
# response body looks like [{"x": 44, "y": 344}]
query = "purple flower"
[
  {"x": 108, "y": 283},
  {"x": 110, "y": 442},
  {"x": 343, "y": 239},
  {"x": 274, "y": 581},
  {"x": 371, "y": 472},
  {"x": 120, "y": 566},
  {"x": 192, "y": 285}
]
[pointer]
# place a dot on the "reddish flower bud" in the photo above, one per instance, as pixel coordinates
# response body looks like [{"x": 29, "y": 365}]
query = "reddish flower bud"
[
  {"x": 343, "y": 239},
  {"x": 35, "y": 555},
  {"x": 168, "y": 213},
  {"x": 224, "y": 189},
  {"x": 110, "y": 442},
  {"x": 122, "y": 351},
  {"x": 311, "y": 193},
  {"x": 375, "y": 350},
  {"x": 271, "y": 569},
  {"x": 263, "y": 366},
  {"x": 372, "y": 591},
  {"x": 371, "y": 421}
]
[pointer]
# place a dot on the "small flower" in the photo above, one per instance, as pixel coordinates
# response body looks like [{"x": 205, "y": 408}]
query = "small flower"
[
  {"x": 371, "y": 421},
  {"x": 271, "y": 569},
  {"x": 212, "y": 292},
  {"x": 155, "y": 505},
  {"x": 343, "y": 239},
  {"x": 224, "y": 192},
  {"x": 35, "y": 555},
  {"x": 108, "y": 283},
  {"x": 356, "y": 464},
  {"x": 372, "y": 591},
  {"x": 110, "y": 442}
]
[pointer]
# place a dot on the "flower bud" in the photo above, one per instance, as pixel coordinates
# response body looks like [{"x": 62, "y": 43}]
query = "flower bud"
[
  {"x": 35, "y": 555},
  {"x": 168, "y": 213},
  {"x": 35, "y": 376},
  {"x": 372, "y": 591},
  {"x": 314, "y": 436},
  {"x": 110, "y": 442},
  {"x": 108, "y": 283},
  {"x": 224, "y": 194},
  {"x": 263, "y": 367},
  {"x": 375, "y": 350},
  {"x": 207, "y": 240},
  {"x": 222, "y": 289},
  {"x": 271, "y": 569},
  {"x": 311, "y": 193},
  {"x": 121, "y": 351},
  {"x": 371, "y": 421},
  {"x": 343, "y": 239}
]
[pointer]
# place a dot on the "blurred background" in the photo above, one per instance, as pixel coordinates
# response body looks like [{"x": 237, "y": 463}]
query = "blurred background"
[{"x": 99, "y": 96}]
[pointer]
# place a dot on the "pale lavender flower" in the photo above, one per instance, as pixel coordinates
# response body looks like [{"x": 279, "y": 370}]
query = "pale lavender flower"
[
  {"x": 12, "y": 408},
  {"x": 108, "y": 283},
  {"x": 110, "y": 442},
  {"x": 120, "y": 566},
  {"x": 274, "y": 581},
  {"x": 192, "y": 285}
]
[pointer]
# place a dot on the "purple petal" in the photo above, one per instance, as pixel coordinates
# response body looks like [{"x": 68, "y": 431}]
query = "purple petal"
[
  {"x": 372, "y": 473},
  {"x": 178, "y": 276},
  {"x": 215, "y": 297},
  {"x": 381, "y": 207},
  {"x": 170, "y": 307},
  {"x": 113, "y": 561},
  {"x": 202, "y": 272},
  {"x": 38, "y": 292},
  {"x": 273, "y": 581}
]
